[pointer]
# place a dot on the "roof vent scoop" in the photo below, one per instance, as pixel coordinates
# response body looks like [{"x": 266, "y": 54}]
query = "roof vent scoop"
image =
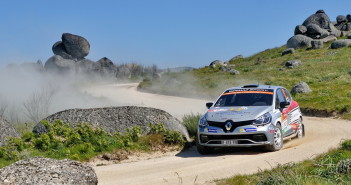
[{"x": 250, "y": 86}]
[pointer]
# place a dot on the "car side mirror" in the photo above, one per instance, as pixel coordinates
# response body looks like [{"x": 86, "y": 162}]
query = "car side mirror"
[
  {"x": 209, "y": 104},
  {"x": 284, "y": 104}
]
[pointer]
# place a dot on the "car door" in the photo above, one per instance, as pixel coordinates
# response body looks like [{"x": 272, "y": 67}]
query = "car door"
[{"x": 282, "y": 96}]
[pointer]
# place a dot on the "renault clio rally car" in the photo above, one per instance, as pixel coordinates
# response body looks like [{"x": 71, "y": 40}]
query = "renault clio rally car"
[{"x": 251, "y": 115}]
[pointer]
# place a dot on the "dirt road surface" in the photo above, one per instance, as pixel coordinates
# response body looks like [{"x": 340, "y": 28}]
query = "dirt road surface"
[{"x": 189, "y": 167}]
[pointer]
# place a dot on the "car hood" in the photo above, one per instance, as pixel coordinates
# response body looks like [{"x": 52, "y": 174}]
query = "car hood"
[{"x": 222, "y": 114}]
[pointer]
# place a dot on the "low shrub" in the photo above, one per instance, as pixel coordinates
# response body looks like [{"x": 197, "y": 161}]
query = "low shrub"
[
  {"x": 190, "y": 121},
  {"x": 83, "y": 142}
]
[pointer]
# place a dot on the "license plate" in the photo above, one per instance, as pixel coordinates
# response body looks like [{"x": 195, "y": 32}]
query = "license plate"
[{"x": 230, "y": 142}]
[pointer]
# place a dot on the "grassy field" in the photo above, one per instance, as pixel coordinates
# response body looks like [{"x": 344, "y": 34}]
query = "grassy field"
[
  {"x": 327, "y": 169},
  {"x": 326, "y": 71}
]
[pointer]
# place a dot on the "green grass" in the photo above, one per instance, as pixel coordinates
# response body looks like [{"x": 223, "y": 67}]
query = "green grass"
[
  {"x": 329, "y": 169},
  {"x": 191, "y": 121},
  {"x": 83, "y": 142},
  {"x": 328, "y": 75}
]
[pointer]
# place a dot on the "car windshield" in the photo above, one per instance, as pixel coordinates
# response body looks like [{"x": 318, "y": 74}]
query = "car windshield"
[{"x": 241, "y": 97}]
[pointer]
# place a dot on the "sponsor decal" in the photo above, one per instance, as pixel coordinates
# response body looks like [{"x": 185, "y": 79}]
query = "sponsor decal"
[
  {"x": 295, "y": 126},
  {"x": 238, "y": 109},
  {"x": 271, "y": 131},
  {"x": 217, "y": 110},
  {"x": 212, "y": 130},
  {"x": 249, "y": 91},
  {"x": 248, "y": 130}
]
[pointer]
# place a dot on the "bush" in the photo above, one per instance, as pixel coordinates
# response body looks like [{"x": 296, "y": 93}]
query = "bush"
[
  {"x": 83, "y": 142},
  {"x": 191, "y": 123}
]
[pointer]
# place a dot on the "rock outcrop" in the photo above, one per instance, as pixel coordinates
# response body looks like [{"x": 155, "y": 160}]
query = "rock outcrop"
[
  {"x": 7, "y": 130},
  {"x": 116, "y": 119},
  {"x": 318, "y": 28},
  {"x": 40, "y": 170},
  {"x": 71, "y": 47}
]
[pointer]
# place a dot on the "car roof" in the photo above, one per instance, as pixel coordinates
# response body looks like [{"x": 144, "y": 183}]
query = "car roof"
[{"x": 255, "y": 86}]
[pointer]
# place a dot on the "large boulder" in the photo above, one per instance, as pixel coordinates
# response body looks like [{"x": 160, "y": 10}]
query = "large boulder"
[
  {"x": 299, "y": 29},
  {"x": 116, "y": 119},
  {"x": 7, "y": 130},
  {"x": 299, "y": 41},
  {"x": 340, "y": 43},
  {"x": 316, "y": 32},
  {"x": 236, "y": 58},
  {"x": 330, "y": 38},
  {"x": 334, "y": 31},
  {"x": 341, "y": 18},
  {"x": 59, "y": 49},
  {"x": 76, "y": 46},
  {"x": 319, "y": 18},
  {"x": 216, "y": 63},
  {"x": 58, "y": 64},
  {"x": 301, "y": 87},
  {"x": 40, "y": 170},
  {"x": 107, "y": 66}
]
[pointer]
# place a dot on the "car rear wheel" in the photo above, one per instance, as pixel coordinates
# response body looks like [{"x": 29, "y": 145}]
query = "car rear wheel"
[
  {"x": 277, "y": 140},
  {"x": 203, "y": 149}
]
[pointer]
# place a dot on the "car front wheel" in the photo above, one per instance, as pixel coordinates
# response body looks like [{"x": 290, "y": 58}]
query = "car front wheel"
[
  {"x": 203, "y": 149},
  {"x": 277, "y": 140}
]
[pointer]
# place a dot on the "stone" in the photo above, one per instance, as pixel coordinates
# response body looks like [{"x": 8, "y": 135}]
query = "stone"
[
  {"x": 333, "y": 30},
  {"x": 234, "y": 72},
  {"x": 60, "y": 65},
  {"x": 293, "y": 63},
  {"x": 340, "y": 19},
  {"x": 319, "y": 18},
  {"x": 299, "y": 29},
  {"x": 216, "y": 63},
  {"x": 39, "y": 170},
  {"x": 301, "y": 87},
  {"x": 330, "y": 38},
  {"x": 236, "y": 58},
  {"x": 59, "y": 49},
  {"x": 340, "y": 43},
  {"x": 76, "y": 46},
  {"x": 225, "y": 68},
  {"x": 317, "y": 44},
  {"x": 316, "y": 32},
  {"x": 116, "y": 119},
  {"x": 348, "y": 17},
  {"x": 7, "y": 130},
  {"x": 107, "y": 67},
  {"x": 343, "y": 26},
  {"x": 299, "y": 41},
  {"x": 288, "y": 51}
]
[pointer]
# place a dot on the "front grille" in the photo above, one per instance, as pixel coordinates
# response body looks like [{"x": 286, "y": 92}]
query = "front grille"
[
  {"x": 253, "y": 137},
  {"x": 234, "y": 124}
]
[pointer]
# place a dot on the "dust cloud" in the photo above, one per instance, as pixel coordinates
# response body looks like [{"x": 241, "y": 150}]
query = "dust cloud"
[{"x": 29, "y": 93}]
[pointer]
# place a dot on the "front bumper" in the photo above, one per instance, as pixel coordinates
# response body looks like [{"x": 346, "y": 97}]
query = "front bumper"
[{"x": 243, "y": 136}]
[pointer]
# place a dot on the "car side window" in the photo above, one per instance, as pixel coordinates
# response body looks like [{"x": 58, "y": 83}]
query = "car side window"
[
  {"x": 279, "y": 98},
  {"x": 287, "y": 95}
]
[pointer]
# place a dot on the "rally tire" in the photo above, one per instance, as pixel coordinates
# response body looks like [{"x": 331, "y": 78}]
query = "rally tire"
[
  {"x": 203, "y": 149},
  {"x": 277, "y": 140}
]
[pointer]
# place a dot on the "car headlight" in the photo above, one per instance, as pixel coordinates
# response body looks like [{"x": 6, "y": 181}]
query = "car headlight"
[
  {"x": 203, "y": 122},
  {"x": 264, "y": 119}
]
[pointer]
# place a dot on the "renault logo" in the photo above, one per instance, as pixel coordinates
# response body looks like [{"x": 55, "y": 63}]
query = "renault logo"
[{"x": 228, "y": 126}]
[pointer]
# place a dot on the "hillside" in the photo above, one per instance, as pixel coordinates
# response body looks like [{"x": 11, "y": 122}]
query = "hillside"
[{"x": 326, "y": 71}]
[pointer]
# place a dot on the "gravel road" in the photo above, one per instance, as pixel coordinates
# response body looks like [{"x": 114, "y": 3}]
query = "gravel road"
[{"x": 189, "y": 167}]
